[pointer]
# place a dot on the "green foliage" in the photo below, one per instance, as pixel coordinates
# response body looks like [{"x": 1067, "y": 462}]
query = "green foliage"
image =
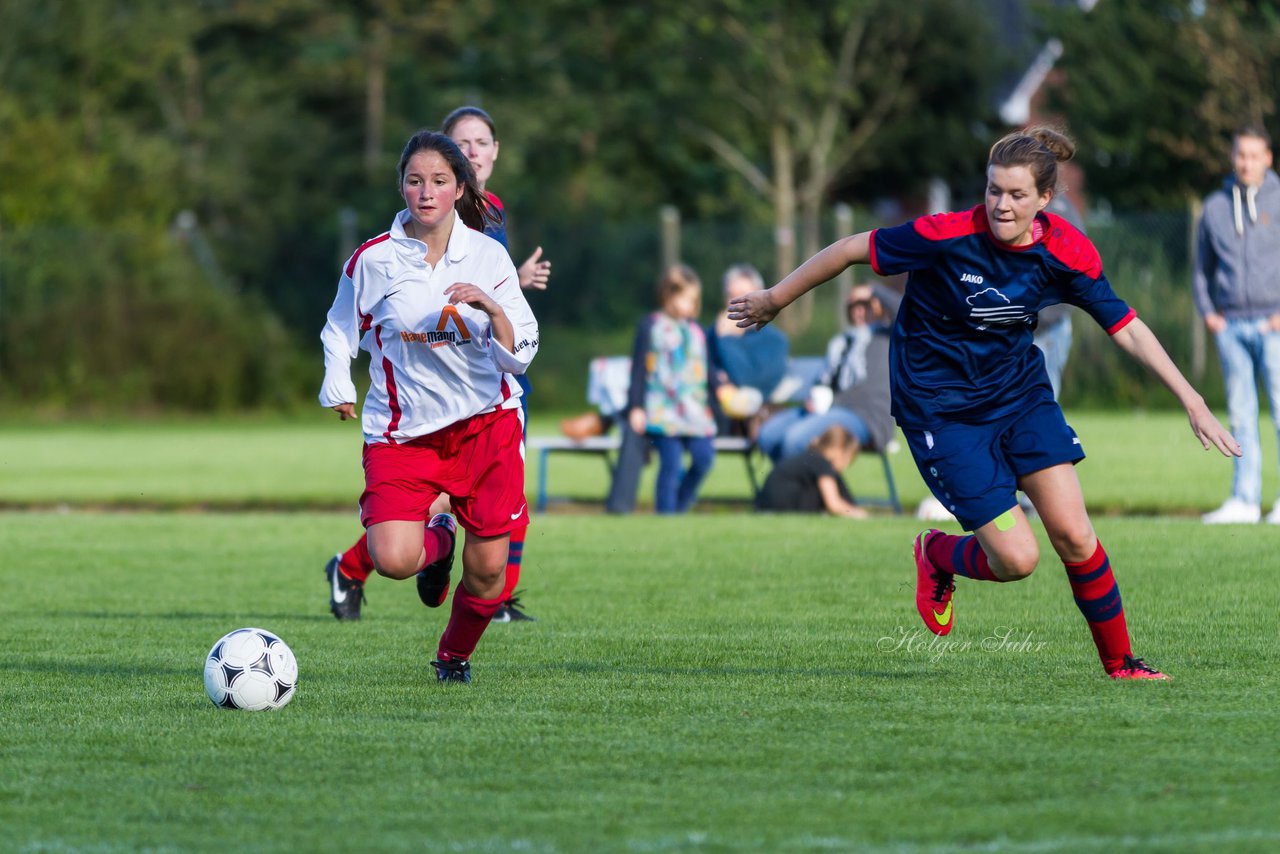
[
  {"x": 269, "y": 119},
  {"x": 1152, "y": 91},
  {"x": 1146, "y": 258},
  {"x": 101, "y": 319},
  {"x": 705, "y": 683}
]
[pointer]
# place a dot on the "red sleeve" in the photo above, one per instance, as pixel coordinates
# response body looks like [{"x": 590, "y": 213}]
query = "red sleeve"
[
  {"x": 944, "y": 226},
  {"x": 1070, "y": 246}
]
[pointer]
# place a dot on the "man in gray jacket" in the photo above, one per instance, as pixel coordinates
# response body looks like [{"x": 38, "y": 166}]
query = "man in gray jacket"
[{"x": 1237, "y": 292}]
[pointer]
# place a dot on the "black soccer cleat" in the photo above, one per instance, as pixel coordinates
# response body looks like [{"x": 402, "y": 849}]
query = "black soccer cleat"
[
  {"x": 346, "y": 595},
  {"x": 452, "y": 670},
  {"x": 509, "y": 612},
  {"x": 433, "y": 579}
]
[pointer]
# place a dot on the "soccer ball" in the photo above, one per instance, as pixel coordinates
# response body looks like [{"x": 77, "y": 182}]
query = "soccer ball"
[{"x": 250, "y": 669}]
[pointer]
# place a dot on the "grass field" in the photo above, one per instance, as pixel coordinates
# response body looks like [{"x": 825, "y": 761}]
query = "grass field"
[
  {"x": 1138, "y": 463},
  {"x": 717, "y": 682}
]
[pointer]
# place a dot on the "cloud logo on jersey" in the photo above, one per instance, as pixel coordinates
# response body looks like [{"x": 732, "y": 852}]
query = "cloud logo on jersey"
[
  {"x": 442, "y": 336},
  {"x": 991, "y": 308}
]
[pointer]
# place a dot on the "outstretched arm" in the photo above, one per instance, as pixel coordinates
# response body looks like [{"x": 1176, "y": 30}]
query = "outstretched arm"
[
  {"x": 759, "y": 307},
  {"x": 1140, "y": 342}
]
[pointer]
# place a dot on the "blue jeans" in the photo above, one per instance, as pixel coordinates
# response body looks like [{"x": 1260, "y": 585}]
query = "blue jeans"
[
  {"x": 1248, "y": 350},
  {"x": 790, "y": 431},
  {"x": 1055, "y": 342},
  {"x": 677, "y": 488}
]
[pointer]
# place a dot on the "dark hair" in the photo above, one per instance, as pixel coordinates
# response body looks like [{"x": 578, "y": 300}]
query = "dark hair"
[
  {"x": 1040, "y": 149},
  {"x": 1254, "y": 131},
  {"x": 461, "y": 113},
  {"x": 474, "y": 207},
  {"x": 677, "y": 279}
]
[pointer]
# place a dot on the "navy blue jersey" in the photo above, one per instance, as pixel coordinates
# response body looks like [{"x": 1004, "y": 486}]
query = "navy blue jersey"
[
  {"x": 497, "y": 230},
  {"x": 961, "y": 347}
]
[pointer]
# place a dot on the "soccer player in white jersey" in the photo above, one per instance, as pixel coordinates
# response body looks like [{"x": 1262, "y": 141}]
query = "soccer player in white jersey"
[{"x": 440, "y": 309}]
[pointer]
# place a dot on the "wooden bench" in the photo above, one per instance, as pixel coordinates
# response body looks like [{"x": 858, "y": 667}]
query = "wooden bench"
[
  {"x": 608, "y": 377},
  {"x": 605, "y": 446}
]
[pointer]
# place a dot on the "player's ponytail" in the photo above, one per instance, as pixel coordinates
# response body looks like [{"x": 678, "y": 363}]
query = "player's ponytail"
[{"x": 1040, "y": 149}]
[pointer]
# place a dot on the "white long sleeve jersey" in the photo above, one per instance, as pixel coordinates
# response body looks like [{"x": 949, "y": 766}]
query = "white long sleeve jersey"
[{"x": 432, "y": 364}]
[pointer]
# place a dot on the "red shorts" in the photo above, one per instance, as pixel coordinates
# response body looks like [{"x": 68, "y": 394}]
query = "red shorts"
[{"x": 478, "y": 462}]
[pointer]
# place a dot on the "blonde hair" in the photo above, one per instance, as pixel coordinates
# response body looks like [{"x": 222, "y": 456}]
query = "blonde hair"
[
  {"x": 836, "y": 438},
  {"x": 676, "y": 280},
  {"x": 1040, "y": 149}
]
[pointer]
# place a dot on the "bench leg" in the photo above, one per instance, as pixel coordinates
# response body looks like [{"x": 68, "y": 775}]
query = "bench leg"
[
  {"x": 893, "y": 489},
  {"x": 751, "y": 472},
  {"x": 541, "y": 504}
]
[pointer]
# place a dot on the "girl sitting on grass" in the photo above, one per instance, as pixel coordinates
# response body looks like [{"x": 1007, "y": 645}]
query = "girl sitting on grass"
[{"x": 811, "y": 481}]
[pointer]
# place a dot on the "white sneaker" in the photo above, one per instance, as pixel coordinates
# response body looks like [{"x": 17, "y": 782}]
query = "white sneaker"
[
  {"x": 1236, "y": 511},
  {"x": 1273, "y": 518}
]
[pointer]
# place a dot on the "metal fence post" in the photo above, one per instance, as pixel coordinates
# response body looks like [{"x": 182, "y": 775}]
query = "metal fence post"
[
  {"x": 844, "y": 281},
  {"x": 669, "y": 218},
  {"x": 1196, "y": 208}
]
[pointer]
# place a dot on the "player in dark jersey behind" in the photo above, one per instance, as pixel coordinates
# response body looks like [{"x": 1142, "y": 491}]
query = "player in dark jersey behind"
[{"x": 970, "y": 391}]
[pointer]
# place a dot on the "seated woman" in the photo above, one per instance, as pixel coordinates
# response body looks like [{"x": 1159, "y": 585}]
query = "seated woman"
[
  {"x": 853, "y": 391},
  {"x": 749, "y": 364},
  {"x": 810, "y": 482}
]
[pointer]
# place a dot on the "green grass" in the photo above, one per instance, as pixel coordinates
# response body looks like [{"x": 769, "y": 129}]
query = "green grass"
[
  {"x": 1138, "y": 463},
  {"x": 717, "y": 682}
]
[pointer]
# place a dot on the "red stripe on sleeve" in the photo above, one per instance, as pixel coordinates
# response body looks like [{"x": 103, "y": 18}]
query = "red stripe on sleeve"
[
  {"x": 351, "y": 265},
  {"x": 1122, "y": 322},
  {"x": 503, "y": 282},
  {"x": 875, "y": 263},
  {"x": 393, "y": 398}
]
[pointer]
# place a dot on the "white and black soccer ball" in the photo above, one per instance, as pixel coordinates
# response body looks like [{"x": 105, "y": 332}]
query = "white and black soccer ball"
[{"x": 250, "y": 669}]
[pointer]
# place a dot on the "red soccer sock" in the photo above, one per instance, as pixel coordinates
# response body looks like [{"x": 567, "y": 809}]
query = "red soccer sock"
[
  {"x": 435, "y": 544},
  {"x": 356, "y": 563},
  {"x": 1098, "y": 598},
  {"x": 515, "y": 551},
  {"x": 467, "y": 621},
  {"x": 960, "y": 555}
]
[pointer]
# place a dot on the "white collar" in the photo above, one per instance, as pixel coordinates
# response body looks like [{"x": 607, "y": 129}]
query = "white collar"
[{"x": 460, "y": 237}]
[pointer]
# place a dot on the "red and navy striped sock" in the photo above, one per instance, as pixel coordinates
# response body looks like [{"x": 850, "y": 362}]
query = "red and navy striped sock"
[
  {"x": 356, "y": 563},
  {"x": 1098, "y": 598},
  {"x": 469, "y": 617},
  {"x": 960, "y": 555},
  {"x": 515, "y": 551}
]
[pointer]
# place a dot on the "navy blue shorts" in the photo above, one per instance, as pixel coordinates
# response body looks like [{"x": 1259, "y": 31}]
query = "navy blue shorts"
[{"x": 973, "y": 469}]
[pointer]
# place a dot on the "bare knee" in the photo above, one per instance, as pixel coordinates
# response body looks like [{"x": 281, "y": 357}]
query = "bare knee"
[
  {"x": 1017, "y": 562},
  {"x": 396, "y": 561},
  {"x": 1074, "y": 544},
  {"x": 484, "y": 574}
]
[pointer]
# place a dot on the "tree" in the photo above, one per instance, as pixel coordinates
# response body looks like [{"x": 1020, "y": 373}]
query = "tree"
[
  {"x": 1152, "y": 91},
  {"x": 809, "y": 92}
]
